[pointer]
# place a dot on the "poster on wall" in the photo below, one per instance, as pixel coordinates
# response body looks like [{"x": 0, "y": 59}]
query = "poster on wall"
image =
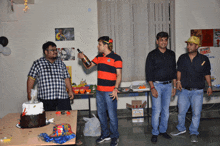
[
  {"x": 66, "y": 54},
  {"x": 210, "y": 46},
  {"x": 69, "y": 69},
  {"x": 64, "y": 34},
  {"x": 216, "y": 37},
  {"x": 204, "y": 50},
  {"x": 205, "y": 35},
  {"x": 213, "y": 54}
]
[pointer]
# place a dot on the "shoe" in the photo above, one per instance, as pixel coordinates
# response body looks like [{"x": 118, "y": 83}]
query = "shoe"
[
  {"x": 177, "y": 132},
  {"x": 154, "y": 139},
  {"x": 114, "y": 142},
  {"x": 102, "y": 139},
  {"x": 165, "y": 135},
  {"x": 194, "y": 138}
]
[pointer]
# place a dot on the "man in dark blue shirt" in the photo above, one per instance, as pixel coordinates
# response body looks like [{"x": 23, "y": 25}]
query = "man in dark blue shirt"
[
  {"x": 193, "y": 68},
  {"x": 160, "y": 72}
]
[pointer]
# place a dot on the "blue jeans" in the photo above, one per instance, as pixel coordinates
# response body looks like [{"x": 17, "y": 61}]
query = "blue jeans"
[
  {"x": 106, "y": 104},
  {"x": 160, "y": 106},
  {"x": 185, "y": 99}
]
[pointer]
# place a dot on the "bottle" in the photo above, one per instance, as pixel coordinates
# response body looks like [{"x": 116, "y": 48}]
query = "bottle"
[{"x": 85, "y": 59}]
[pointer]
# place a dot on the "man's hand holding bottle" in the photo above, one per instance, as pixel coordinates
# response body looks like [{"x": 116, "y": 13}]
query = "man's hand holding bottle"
[{"x": 84, "y": 58}]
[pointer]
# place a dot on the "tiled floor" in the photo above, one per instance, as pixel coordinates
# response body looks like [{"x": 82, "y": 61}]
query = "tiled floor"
[{"x": 139, "y": 134}]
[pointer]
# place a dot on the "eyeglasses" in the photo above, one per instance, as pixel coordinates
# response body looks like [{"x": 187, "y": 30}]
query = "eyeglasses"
[{"x": 52, "y": 50}]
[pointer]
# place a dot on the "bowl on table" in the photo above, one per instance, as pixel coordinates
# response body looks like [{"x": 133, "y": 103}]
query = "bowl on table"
[
  {"x": 82, "y": 91},
  {"x": 88, "y": 91},
  {"x": 76, "y": 91}
]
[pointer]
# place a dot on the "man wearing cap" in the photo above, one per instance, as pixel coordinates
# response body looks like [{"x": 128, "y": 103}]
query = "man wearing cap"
[
  {"x": 160, "y": 73},
  {"x": 192, "y": 71}
]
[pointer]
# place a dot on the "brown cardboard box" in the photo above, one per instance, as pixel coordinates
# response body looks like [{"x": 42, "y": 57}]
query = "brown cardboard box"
[
  {"x": 137, "y": 110},
  {"x": 136, "y": 104}
]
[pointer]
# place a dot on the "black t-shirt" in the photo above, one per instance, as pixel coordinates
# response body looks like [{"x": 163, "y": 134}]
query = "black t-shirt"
[
  {"x": 160, "y": 66},
  {"x": 193, "y": 73}
]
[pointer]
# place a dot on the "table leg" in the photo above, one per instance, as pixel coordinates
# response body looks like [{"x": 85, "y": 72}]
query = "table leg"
[
  {"x": 148, "y": 97},
  {"x": 89, "y": 107}
]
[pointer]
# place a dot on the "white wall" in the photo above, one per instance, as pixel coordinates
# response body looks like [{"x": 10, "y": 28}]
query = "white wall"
[
  {"x": 195, "y": 14},
  {"x": 28, "y": 31}
]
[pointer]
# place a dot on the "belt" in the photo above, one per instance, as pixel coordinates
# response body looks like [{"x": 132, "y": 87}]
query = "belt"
[
  {"x": 165, "y": 82},
  {"x": 192, "y": 88}
]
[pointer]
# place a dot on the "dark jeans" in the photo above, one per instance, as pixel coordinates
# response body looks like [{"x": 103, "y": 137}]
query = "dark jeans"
[{"x": 57, "y": 104}]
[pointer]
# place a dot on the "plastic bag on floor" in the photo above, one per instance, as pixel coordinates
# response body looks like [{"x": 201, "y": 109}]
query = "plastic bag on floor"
[{"x": 92, "y": 126}]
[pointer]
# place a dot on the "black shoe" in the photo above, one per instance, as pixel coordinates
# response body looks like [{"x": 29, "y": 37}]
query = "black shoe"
[
  {"x": 114, "y": 142},
  {"x": 154, "y": 139},
  {"x": 102, "y": 139},
  {"x": 165, "y": 135},
  {"x": 194, "y": 138}
]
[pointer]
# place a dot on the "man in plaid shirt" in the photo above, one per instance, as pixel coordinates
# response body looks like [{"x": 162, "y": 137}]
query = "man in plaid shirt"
[{"x": 53, "y": 79}]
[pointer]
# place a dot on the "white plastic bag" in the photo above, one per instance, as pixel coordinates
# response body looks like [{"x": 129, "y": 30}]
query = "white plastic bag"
[{"x": 92, "y": 126}]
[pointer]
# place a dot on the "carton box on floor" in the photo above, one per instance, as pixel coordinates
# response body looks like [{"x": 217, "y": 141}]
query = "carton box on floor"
[{"x": 137, "y": 110}]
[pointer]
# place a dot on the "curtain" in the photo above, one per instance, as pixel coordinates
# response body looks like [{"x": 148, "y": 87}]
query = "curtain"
[{"x": 133, "y": 25}]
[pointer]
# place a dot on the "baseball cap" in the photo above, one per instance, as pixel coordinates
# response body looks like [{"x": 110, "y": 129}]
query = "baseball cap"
[{"x": 193, "y": 39}]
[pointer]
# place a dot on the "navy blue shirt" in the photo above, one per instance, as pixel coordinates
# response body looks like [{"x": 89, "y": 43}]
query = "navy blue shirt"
[
  {"x": 160, "y": 66},
  {"x": 193, "y": 73}
]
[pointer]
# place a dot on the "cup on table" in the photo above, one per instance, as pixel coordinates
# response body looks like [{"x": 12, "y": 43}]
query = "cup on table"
[
  {"x": 76, "y": 91},
  {"x": 82, "y": 91},
  {"x": 88, "y": 91}
]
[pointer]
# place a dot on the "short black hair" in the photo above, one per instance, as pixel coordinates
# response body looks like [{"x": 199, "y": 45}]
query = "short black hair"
[
  {"x": 104, "y": 39},
  {"x": 47, "y": 44},
  {"x": 162, "y": 35}
]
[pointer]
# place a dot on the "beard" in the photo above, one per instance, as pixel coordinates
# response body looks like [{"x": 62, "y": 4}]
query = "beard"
[
  {"x": 54, "y": 58},
  {"x": 191, "y": 51}
]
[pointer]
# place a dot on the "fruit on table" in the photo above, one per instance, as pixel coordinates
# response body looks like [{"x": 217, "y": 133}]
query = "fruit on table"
[
  {"x": 83, "y": 83},
  {"x": 142, "y": 87},
  {"x": 80, "y": 85}
]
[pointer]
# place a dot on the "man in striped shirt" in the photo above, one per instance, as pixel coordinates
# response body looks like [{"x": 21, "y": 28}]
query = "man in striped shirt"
[{"x": 109, "y": 77}]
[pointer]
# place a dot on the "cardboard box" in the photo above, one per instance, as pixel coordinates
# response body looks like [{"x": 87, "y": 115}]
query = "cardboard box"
[{"x": 137, "y": 110}]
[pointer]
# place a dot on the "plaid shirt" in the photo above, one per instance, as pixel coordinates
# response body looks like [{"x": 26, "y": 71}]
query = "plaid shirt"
[{"x": 51, "y": 78}]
